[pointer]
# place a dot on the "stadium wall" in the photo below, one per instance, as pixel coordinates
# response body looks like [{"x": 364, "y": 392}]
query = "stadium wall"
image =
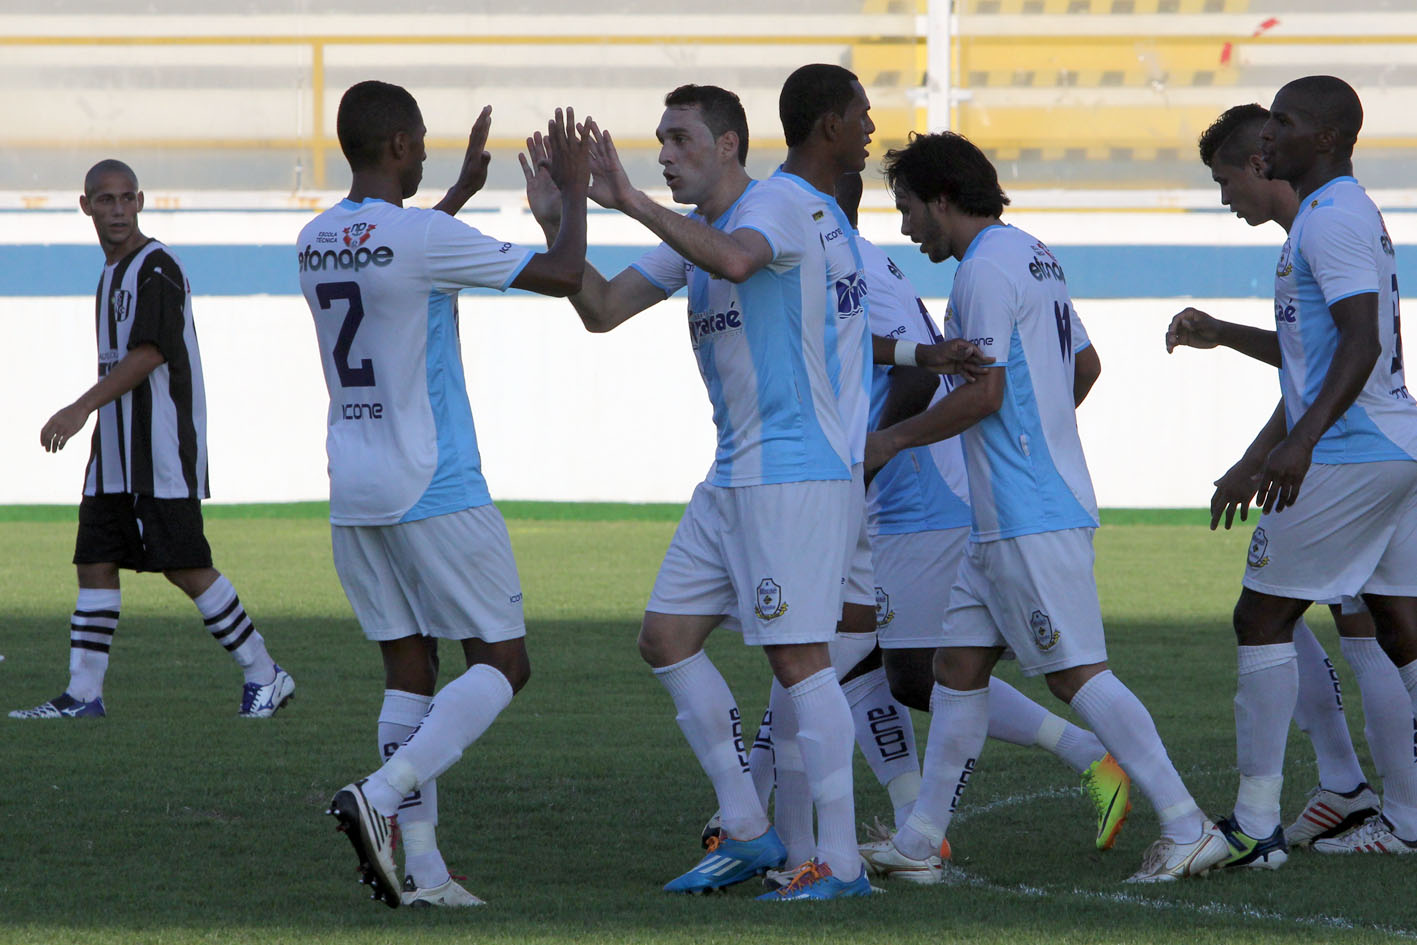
[{"x": 564, "y": 415}]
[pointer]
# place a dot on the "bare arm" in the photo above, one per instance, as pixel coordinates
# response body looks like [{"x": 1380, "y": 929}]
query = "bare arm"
[
  {"x": 733, "y": 256},
  {"x": 1195, "y": 329},
  {"x": 127, "y": 374},
  {"x": 1087, "y": 367},
  {"x": 1236, "y": 488},
  {"x": 560, "y": 270},
  {"x": 965, "y": 406},
  {"x": 1356, "y": 319},
  {"x": 946, "y": 357}
]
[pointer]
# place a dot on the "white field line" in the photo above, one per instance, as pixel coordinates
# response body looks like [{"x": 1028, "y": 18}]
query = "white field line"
[{"x": 956, "y": 876}]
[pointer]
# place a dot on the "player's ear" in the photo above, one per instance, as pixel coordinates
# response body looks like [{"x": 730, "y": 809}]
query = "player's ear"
[
  {"x": 1255, "y": 165},
  {"x": 85, "y": 206},
  {"x": 140, "y": 202},
  {"x": 727, "y": 145},
  {"x": 399, "y": 145}
]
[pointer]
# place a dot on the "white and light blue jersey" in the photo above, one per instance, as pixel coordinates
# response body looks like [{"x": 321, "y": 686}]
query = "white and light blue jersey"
[
  {"x": 761, "y": 346},
  {"x": 1027, "y": 472},
  {"x": 924, "y": 488},
  {"x": 1338, "y": 247},
  {"x": 848, "y": 343},
  {"x": 382, "y": 283}
]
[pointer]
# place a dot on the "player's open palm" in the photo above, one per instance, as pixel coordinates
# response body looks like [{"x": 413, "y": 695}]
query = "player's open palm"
[
  {"x": 473, "y": 174},
  {"x": 569, "y": 150},
  {"x": 542, "y": 194},
  {"x": 1191, "y": 328},
  {"x": 610, "y": 186}
]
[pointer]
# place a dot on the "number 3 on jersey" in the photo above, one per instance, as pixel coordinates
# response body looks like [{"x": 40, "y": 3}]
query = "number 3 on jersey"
[{"x": 349, "y": 376}]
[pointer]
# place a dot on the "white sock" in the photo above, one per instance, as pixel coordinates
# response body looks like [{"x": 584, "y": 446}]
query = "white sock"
[
  {"x": 1319, "y": 714},
  {"x": 1389, "y": 728},
  {"x": 959, "y": 724},
  {"x": 709, "y": 719},
  {"x": 461, "y": 711},
  {"x": 1126, "y": 729},
  {"x": 91, "y": 629},
  {"x": 848, "y": 649},
  {"x": 1266, "y": 689},
  {"x": 762, "y": 758},
  {"x": 1409, "y": 682},
  {"x": 792, "y": 803},
  {"x": 1018, "y": 720},
  {"x": 883, "y": 729},
  {"x": 824, "y": 736},
  {"x": 418, "y": 811},
  {"x": 228, "y": 624}
]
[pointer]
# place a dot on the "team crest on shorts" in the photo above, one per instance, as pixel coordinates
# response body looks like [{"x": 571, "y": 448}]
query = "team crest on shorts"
[
  {"x": 1258, "y": 546},
  {"x": 884, "y": 614},
  {"x": 1044, "y": 634},
  {"x": 770, "y": 604}
]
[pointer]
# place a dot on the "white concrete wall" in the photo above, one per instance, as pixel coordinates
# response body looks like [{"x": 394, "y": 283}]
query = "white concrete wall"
[{"x": 565, "y": 415}]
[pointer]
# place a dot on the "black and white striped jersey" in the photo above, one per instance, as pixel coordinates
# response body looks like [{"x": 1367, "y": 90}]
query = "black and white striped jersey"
[{"x": 153, "y": 439}]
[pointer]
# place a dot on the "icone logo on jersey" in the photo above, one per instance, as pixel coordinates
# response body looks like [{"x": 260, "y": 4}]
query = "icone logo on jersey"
[
  {"x": 850, "y": 293},
  {"x": 357, "y": 234},
  {"x": 703, "y": 324},
  {"x": 834, "y": 234}
]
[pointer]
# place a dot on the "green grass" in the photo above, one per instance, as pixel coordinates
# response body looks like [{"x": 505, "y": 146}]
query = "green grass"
[{"x": 173, "y": 821}]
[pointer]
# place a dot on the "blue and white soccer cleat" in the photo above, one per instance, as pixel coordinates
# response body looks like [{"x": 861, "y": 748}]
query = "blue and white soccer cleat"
[
  {"x": 815, "y": 881},
  {"x": 63, "y": 706},
  {"x": 730, "y": 861},
  {"x": 262, "y": 702}
]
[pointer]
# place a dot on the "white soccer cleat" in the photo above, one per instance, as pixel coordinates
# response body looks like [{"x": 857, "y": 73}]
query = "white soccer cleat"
[
  {"x": 262, "y": 702},
  {"x": 1328, "y": 814},
  {"x": 1375, "y": 836},
  {"x": 883, "y": 860},
  {"x": 1167, "y": 861},
  {"x": 450, "y": 893},
  {"x": 372, "y": 836}
]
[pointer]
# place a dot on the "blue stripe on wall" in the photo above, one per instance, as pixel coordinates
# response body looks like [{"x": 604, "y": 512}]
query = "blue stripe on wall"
[{"x": 1094, "y": 272}]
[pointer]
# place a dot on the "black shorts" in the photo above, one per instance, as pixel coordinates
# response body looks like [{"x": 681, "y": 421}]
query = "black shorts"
[{"x": 141, "y": 533}]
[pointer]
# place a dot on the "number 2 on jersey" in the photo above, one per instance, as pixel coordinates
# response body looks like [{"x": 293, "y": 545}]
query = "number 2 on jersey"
[{"x": 349, "y": 376}]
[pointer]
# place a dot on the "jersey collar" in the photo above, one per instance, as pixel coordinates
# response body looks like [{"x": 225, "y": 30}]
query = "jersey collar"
[{"x": 974, "y": 243}]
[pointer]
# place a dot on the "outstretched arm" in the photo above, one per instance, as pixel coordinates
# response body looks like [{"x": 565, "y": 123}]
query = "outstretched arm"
[
  {"x": 560, "y": 270},
  {"x": 965, "y": 406},
  {"x": 733, "y": 256},
  {"x": 1195, "y": 329},
  {"x": 127, "y": 374}
]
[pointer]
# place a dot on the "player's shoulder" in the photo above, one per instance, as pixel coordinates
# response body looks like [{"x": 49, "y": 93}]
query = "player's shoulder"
[{"x": 156, "y": 258}]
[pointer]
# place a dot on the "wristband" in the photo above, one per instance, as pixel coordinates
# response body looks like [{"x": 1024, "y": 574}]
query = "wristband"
[{"x": 905, "y": 353}]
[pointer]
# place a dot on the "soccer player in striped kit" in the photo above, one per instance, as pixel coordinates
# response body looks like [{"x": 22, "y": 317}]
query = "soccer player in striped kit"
[{"x": 147, "y": 471}]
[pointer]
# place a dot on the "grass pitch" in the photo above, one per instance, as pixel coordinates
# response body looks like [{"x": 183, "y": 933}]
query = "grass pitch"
[{"x": 174, "y": 821}]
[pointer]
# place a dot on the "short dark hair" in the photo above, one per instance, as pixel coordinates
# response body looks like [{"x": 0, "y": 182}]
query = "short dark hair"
[
  {"x": 721, "y": 110},
  {"x": 946, "y": 165},
  {"x": 809, "y": 93},
  {"x": 1233, "y": 137},
  {"x": 1331, "y": 103},
  {"x": 107, "y": 166},
  {"x": 371, "y": 113}
]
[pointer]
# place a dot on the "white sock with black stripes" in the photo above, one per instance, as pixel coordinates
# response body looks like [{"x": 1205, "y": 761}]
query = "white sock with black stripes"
[
  {"x": 418, "y": 812},
  {"x": 91, "y": 629},
  {"x": 228, "y": 624}
]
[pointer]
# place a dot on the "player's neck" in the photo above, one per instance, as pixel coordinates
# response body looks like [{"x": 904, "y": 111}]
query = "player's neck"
[
  {"x": 113, "y": 252},
  {"x": 1286, "y": 207},
  {"x": 966, "y": 230},
  {"x": 819, "y": 170},
  {"x": 725, "y": 195},
  {"x": 368, "y": 185},
  {"x": 1319, "y": 175}
]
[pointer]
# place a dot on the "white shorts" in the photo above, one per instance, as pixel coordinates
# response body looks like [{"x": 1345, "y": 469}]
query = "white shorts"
[
  {"x": 450, "y": 576},
  {"x": 914, "y": 574},
  {"x": 858, "y": 580},
  {"x": 1034, "y": 594},
  {"x": 769, "y": 558},
  {"x": 1353, "y": 530}
]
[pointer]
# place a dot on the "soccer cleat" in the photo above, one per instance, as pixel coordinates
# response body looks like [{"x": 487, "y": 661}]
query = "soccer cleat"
[
  {"x": 1374, "y": 836},
  {"x": 450, "y": 893},
  {"x": 730, "y": 861},
  {"x": 371, "y": 833},
  {"x": 1109, "y": 788},
  {"x": 1267, "y": 853},
  {"x": 884, "y": 861},
  {"x": 262, "y": 702},
  {"x": 1167, "y": 861},
  {"x": 813, "y": 880},
  {"x": 63, "y": 706},
  {"x": 1328, "y": 814},
  {"x": 714, "y": 828}
]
